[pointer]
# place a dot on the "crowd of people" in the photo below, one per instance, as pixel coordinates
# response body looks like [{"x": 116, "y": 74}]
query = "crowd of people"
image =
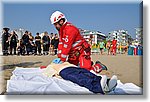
[
  {"x": 28, "y": 44},
  {"x": 109, "y": 46},
  {"x": 48, "y": 44}
]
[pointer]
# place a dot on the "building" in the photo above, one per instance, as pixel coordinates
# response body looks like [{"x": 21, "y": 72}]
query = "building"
[
  {"x": 95, "y": 36},
  {"x": 112, "y": 35},
  {"x": 122, "y": 37},
  {"x": 139, "y": 36}
]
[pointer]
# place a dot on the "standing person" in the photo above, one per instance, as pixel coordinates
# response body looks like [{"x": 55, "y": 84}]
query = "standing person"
[
  {"x": 5, "y": 41},
  {"x": 46, "y": 43},
  {"x": 101, "y": 45},
  {"x": 111, "y": 49},
  {"x": 72, "y": 46},
  {"x": 13, "y": 42},
  {"x": 25, "y": 39},
  {"x": 38, "y": 43},
  {"x": 52, "y": 44},
  {"x": 108, "y": 45},
  {"x": 30, "y": 46},
  {"x": 31, "y": 38},
  {"x": 114, "y": 46},
  {"x": 56, "y": 42}
]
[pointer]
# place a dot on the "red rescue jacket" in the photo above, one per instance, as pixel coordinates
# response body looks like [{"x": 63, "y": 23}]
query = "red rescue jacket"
[{"x": 70, "y": 38}]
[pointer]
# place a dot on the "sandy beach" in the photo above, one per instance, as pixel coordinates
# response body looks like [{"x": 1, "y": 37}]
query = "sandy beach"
[{"x": 127, "y": 68}]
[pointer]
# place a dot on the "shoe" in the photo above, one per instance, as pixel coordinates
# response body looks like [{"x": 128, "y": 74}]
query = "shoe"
[
  {"x": 103, "y": 83},
  {"x": 103, "y": 66},
  {"x": 112, "y": 83},
  {"x": 97, "y": 68},
  {"x": 97, "y": 62}
]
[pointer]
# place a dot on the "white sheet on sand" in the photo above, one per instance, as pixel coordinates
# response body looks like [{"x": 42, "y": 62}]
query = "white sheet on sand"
[{"x": 31, "y": 81}]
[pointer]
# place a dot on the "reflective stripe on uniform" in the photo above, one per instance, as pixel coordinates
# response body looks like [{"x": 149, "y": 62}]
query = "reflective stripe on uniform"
[
  {"x": 63, "y": 56},
  {"x": 65, "y": 45},
  {"x": 82, "y": 63},
  {"x": 76, "y": 43},
  {"x": 59, "y": 51},
  {"x": 69, "y": 24},
  {"x": 67, "y": 58},
  {"x": 60, "y": 42}
]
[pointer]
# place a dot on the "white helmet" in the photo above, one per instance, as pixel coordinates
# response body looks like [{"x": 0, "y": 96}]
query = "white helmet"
[{"x": 56, "y": 16}]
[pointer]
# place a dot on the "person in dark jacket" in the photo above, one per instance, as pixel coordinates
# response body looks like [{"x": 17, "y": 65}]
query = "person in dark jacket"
[
  {"x": 25, "y": 39},
  {"x": 56, "y": 42},
  {"x": 29, "y": 47},
  {"x": 5, "y": 41},
  {"x": 13, "y": 42},
  {"x": 21, "y": 48},
  {"x": 52, "y": 44},
  {"x": 34, "y": 48},
  {"x": 46, "y": 43},
  {"x": 38, "y": 43}
]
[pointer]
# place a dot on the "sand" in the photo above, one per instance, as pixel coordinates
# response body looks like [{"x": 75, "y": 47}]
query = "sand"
[{"x": 127, "y": 68}]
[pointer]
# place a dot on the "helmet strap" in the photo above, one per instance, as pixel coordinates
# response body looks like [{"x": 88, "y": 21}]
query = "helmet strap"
[{"x": 59, "y": 23}]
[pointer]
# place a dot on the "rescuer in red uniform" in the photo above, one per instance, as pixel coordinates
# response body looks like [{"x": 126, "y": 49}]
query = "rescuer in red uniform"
[
  {"x": 114, "y": 47},
  {"x": 72, "y": 46}
]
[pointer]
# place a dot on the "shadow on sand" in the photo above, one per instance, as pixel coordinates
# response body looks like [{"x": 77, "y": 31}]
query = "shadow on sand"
[{"x": 24, "y": 64}]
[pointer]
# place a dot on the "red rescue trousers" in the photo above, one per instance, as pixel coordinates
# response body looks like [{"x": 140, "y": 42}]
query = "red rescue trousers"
[{"x": 84, "y": 60}]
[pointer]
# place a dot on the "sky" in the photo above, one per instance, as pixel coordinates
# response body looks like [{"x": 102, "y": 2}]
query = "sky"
[{"x": 104, "y": 17}]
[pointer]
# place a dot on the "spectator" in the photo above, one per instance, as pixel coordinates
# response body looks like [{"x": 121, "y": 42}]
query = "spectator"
[
  {"x": 25, "y": 39},
  {"x": 56, "y": 42},
  {"x": 13, "y": 42},
  {"x": 108, "y": 45},
  {"x": 111, "y": 51},
  {"x": 31, "y": 38},
  {"x": 38, "y": 43},
  {"x": 52, "y": 44},
  {"x": 29, "y": 47},
  {"x": 101, "y": 45},
  {"x": 30, "y": 44},
  {"x": 46, "y": 43},
  {"x": 34, "y": 48},
  {"x": 21, "y": 48},
  {"x": 5, "y": 41}
]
